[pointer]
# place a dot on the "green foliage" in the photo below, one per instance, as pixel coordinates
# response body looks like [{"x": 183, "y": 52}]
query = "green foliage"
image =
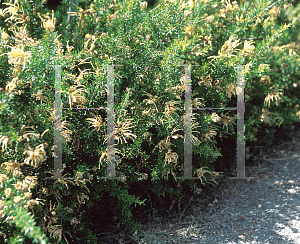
[{"x": 150, "y": 44}]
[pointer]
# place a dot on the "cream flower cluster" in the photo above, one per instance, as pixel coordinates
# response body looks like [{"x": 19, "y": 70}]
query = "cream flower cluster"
[{"x": 228, "y": 8}]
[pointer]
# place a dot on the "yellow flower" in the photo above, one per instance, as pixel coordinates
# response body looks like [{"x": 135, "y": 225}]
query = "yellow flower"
[
  {"x": 215, "y": 117},
  {"x": 17, "y": 199},
  {"x": 35, "y": 157},
  {"x": 231, "y": 89},
  {"x": 197, "y": 103},
  {"x": 210, "y": 19},
  {"x": 273, "y": 95},
  {"x": 11, "y": 85},
  {"x": 69, "y": 210},
  {"x": 215, "y": 174},
  {"x": 263, "y": 67},
  {"x": 286, "y": 6},
  {"x": 122, "y": 128},
  {"x": 210, "y": 134},
  {"x": 191, "y": 4},
  {"x": 144, "y": 176},
  {"x": 104, "y": 34},
  {"x": 153, "y": 99},
  {"x": 92, "y": 47},
  {"x": 12, "y": 10},
  {"x": 49, "y": 25},
  {"x": 88, "y": 36},
  {"x": 265, "y": 117},
  {"x": 189, "y": 31},
  {"x": 275, "y": 11},
  {"x": 17, "y": 173},
  {"x": 229, "y": 8},
  {"x": 258, "y": 20},
  {"x": 3, "y": 178},
  {"x": 21, "y": 186},
  {"x": 79, "y": 175},
  {"x": 248, "y": 48},
  {"x": 8, "y": 192},
  {"x": 170, "y": 108},
  {"x": 171, "y": 157},
  {"x": 4, "y": 36},
  {"x": 163, "y": 144},
  {"x": 187, "y": 13},
  {"x": 97, "y": 122},
  {"x": 4, "y": 140},
  {"x": 31, "y": 180},
  {"x": 30, "y": 204},
  {"x": 11, "y": 166},
  {"x": 2, "y": 204},
  {"x": 81, "y": 197},
  {"x": 292, "y": 53},
  {"x": 144, "y": 5},
  {"x": 200, "y": 173},
  {"x": 228, "y": 47},
  {"x": 148, "y": 37},
  {"x": 38, "y": 95},
  {"x": 266, "y": 21},
  {"x": 45, "y": 191},
  {"x": 222, "y": 13},
  {"x": 227, "y": 121},
  {"x": 69, "y": 48},
  {"x": 207, "y": 40},
  {"x": 199, "y": 51},
  {"x": 86, "y": 44},
  {"x": 28, "y": 195},
  {"x": 235, "y": 6},
  {"x": 74, "y": 221},
  {"x": 17, "y": 56},
  {"x": 265, "y": 79},
  {"x": 248, "y": 67},
  {"x": 207, "y": 81},
  {"x": 240, "y": 19},
  {"x": 76, "y": 95}
]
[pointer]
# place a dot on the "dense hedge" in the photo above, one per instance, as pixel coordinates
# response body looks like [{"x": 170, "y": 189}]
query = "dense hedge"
[{"x": 149, "y": 105}]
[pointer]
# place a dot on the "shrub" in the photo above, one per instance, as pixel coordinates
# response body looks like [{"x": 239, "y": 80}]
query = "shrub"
[{"x": 149, "y": 104}]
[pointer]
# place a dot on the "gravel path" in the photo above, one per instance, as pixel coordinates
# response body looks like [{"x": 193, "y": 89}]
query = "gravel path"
[{"x": 263, "y": 210}]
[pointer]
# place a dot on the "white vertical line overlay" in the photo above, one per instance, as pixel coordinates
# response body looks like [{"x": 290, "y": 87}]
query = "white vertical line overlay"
[
  {"x": 57, "y": 126},
  {"x": 240, "y": 123},
  {"x": 240, "y": 149},
  {"x": 111, "y": 173},
  {"x": 188, "y": 145}
]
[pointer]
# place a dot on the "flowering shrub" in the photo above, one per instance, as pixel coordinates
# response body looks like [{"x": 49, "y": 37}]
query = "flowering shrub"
[
  {"x": 149, "y": 105},
  {"x": 15, "y": 203}
]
